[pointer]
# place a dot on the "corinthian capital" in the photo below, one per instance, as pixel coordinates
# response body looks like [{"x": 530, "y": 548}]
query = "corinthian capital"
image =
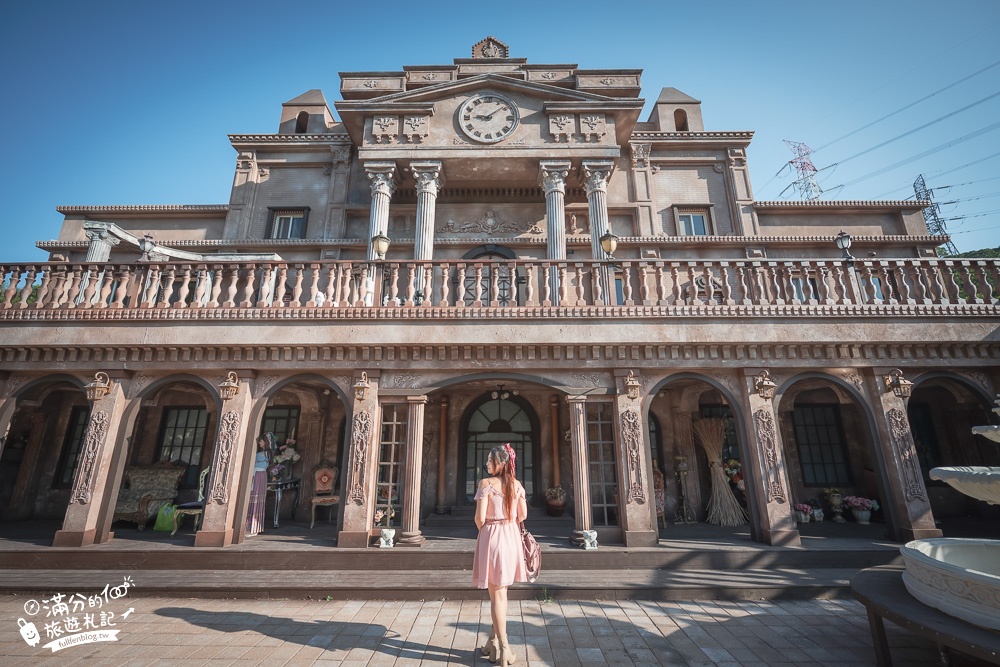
[
  {"x": 382, "y": 176},
  {"x": 428, "y": 175},
  {"x": 552, "y": 175},
  {"x": 596, "y": 174}
]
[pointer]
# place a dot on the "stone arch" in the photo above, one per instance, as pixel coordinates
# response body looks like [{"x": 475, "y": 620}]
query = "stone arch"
[
  {"x": 494, "y": 376},
  {"x": 957, "y": 378},
  {"x": 745, "y": 437},
  {"x": 9, "y": 406}
]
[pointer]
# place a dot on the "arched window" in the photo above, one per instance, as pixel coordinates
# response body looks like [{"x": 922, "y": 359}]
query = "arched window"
[
  {"x": 506, "y": 281},
  {"x": 681, "y": 120},
  {"x": 302, "y": 122},
  {"x": 500, "y": 417}
]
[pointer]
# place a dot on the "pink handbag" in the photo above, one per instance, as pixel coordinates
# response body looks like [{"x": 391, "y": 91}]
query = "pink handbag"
[{"x": 532, "y": 554}]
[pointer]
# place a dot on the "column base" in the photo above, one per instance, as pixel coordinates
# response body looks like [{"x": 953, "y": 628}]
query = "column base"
[
  {"x": 74, "y": 538},
  {"x": 411, "y": 539},
  {"x": 640, "y": 538},
  {"x": 781, "y": 538},
  {"x": 213, "y": 538},
  {"x": 440, "y": 509},
  {"x": 353, "y": 539}
]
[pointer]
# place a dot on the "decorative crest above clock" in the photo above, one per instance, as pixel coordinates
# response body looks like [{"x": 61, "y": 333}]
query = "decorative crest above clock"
[{"x": 491, "y": 47}]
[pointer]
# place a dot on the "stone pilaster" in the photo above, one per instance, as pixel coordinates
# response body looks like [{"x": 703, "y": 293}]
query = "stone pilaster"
[
  {"x": 383, "y": 184},
  {"x": 439, "y": 507},
  {"x": 765, "y": 474},
  {"x": 92, "y": 498},
  {"x": 552, "y": 177},
  {"x": 908, "y": 507},
  {"x": 358, "y": 495},
  {"x": 232, "y": 467},
  {"x": 101, "y": 242},
  {"x": 19, "y": 507},
  {"x": 411, "y": 537},
  {"x": 635, "y": 471},
  {"x": 429, "y": 178},
  {"x": 583, "y": 519}
]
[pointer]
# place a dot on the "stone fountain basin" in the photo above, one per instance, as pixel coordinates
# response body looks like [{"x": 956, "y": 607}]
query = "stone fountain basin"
[
  {"x": 961, "y": 577},
  {"x": 979, "y": 482}
]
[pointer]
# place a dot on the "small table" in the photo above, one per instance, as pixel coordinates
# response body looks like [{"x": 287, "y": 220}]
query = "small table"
[
  {"x": 881, "y": 591},
  {"x": 281, "y": 486}
]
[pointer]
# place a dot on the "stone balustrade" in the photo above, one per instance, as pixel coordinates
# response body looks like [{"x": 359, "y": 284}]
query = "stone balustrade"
[{"x": 499, "y": 288}]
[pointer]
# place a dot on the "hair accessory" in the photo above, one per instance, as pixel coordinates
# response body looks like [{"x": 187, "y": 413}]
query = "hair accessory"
[{"x": 513, "y": 456}]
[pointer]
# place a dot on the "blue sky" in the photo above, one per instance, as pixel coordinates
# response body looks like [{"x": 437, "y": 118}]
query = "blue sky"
[{"x": 111, "y": 102}]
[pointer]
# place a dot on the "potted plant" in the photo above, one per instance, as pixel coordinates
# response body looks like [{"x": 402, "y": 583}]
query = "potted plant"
[
  {"x": 861, "y": 508},
  {"x": 834, "y": 496},
  {"x": 803, "y": 512},
  {"x": 555, "y": 500}
]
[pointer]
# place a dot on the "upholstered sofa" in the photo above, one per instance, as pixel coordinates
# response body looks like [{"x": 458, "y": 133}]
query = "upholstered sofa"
[{"x": 145, "y": 489}]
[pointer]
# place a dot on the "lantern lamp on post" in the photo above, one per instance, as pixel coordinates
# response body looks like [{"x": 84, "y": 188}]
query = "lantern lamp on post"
[
  {"x": 98, "y": 388},
  {"x": 609, "y": 243},
  {"x": 229, "y": 387},
  {"x": 898, "y": 384},
  {"x": 843, "y": 241},
  {"x": 380, "y": 244},
  {"x": 765, "y": 387},
  {"x": 361, "y": 387},
  {"x": 631, "y": 386}
]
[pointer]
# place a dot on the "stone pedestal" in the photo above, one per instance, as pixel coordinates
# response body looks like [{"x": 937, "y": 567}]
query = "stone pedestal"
[
  {"x": 232, "y": 465},
  {"x": 92, "y": 498},
  {"x": 359, "y": 475},
  {"x": 771, "y": 520}
]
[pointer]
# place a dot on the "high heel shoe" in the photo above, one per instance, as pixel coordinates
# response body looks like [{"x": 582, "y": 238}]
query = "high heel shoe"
[
  {"x": 490, "y": 647},
  {"x": 506, "y": 655},
  {"x": 494, "y": 655}
]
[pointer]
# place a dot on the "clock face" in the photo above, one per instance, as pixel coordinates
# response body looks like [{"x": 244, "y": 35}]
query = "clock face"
[{"x": 488, "y": 117}]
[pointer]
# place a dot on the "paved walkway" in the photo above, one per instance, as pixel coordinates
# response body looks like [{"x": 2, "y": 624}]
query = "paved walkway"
[{"x": 183, "y": 631}]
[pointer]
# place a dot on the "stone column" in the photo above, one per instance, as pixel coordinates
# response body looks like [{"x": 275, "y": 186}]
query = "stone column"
[
  {"x": 101, "y": 242},
  {"x": 595, "y": 178},
  {"x": 552, "y": 177},
  {"x": 358, "y": 496},
  {"x": 383, "y": 184},
  {"x": 411, "y": 537},
  {"x": 637, "y": 506},
  {"x": 908, "y": 507},
  {"x": 765, "y": 473},
  {"x": 583, "y": 519},
  {"x": 429, "y": 178},
  {"x": 232, "y": 467},
  {"x": 92, "y": 497},
  {"x": 439, "y": 507},
  {"x": 554, "y": 426}
]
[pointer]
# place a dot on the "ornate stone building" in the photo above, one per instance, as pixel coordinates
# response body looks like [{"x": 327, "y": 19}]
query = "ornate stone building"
[{"x": 492, "y": 251}]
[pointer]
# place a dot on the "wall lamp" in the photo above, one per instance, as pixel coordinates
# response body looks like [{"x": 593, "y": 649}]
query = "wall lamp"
[
  {"x": 765, "y": 387},
  {"x": 899, "y": 385},
  {"x": 843, "y": 241},
  {"x": 632, "y": 386},
  {"x": 609, "y": 243},
  {"x": 229, "y": 387},
  {"x": 361, "y": 387},
  {"x": 98, "y": 388},
  {"x": 380, "y": 244}
]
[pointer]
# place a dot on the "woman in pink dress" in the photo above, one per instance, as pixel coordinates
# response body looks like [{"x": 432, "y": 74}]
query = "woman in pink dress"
[{"x": 499, "y": 559}]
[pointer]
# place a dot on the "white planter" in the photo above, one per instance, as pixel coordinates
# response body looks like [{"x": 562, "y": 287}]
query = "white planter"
[
  {"x": 385, "y": 538},
  {"x": 961, "y": 577},
  {"x": 863, "y": 517}
]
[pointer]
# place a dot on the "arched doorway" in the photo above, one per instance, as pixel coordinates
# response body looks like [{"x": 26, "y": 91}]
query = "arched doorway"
[
  {"x": 494, "y": 418},
  {"x": 494, "y": 258}
]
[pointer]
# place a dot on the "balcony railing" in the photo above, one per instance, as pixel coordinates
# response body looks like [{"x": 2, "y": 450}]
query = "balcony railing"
[{"x": 499, "y": 288}]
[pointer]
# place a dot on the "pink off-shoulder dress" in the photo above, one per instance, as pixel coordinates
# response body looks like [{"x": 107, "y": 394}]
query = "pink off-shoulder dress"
[{"x": 499, "y": 558}]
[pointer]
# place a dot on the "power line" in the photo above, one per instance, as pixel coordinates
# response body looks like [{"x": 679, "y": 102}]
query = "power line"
[
  {"x": 917, "y": 129},
  {"x": 936, "y": 149},
  {"x": 942, "y": 173},
  {"x": 908, "y": 106}
]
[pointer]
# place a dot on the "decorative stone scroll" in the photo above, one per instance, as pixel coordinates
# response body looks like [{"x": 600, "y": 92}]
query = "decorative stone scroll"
[
  {"x": 415, "y": 128},
  {"x": 491, "y": 223},
  {"x": 385, "y": 129},
  {"x": 632, "y": 436},
  {"x": 229, "y": 430},
  {"x": 491, "y": 47},
  {"x": 13, "y": 384},
  {"x": 764, "y": 423},
  {"x": 902, "y": 442},
  {"x": 640, "y": 155},
  {"x": 593, "y": 126},
  {"x": 561, "y": 126},
  {"x": 97, "y": 432},
  {"x": 359, "y": 451}
]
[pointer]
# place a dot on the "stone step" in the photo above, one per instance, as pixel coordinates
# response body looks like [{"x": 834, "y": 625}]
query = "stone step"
[{"x": 454, "y": 584}]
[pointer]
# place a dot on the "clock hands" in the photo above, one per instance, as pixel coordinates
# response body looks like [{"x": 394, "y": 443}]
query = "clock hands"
[{"x": 488, "y": 117}]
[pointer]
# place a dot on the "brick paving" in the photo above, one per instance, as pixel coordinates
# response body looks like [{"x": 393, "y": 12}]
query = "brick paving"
[{"x": 188, "y": 631}]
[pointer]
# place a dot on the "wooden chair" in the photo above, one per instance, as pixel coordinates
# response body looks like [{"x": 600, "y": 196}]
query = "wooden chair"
[
  {"x": 196, "y": 508},
  {"x": 324, "y": 479}
]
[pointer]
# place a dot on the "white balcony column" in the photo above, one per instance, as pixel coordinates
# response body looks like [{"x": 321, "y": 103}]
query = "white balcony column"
[
  {"x": 101, "y": 242},
  {"x": 552, "y": 177},
  {"x": 595, "y": 176},
  {"x": 383, "y": 184},
  {"x": 429, "y": 178},
  {"x": 411, "y": 537}
]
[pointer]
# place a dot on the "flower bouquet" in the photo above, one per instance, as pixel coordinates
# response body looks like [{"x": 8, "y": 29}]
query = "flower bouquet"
[
  {"x": 385, "y": 515},
  {"x": 861, "y": 508},
  {"x": 803, "y": 512},
  {"x": 556, "y": 494},
  {"x": 284, "y": 458}
]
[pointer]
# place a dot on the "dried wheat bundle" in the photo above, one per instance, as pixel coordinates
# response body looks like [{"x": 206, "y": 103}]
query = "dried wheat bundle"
[{"x": 723, "y": 508}]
